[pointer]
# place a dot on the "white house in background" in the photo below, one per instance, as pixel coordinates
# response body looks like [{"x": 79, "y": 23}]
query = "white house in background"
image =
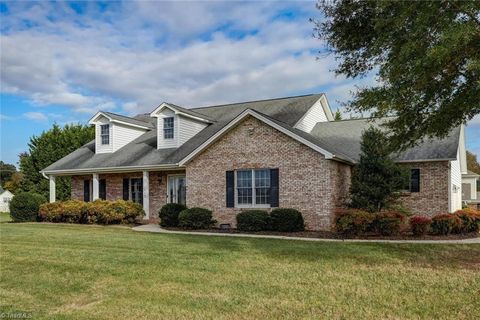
[
  {"x": 470, "y": 195},
  {"x": 5, "y": 198}
]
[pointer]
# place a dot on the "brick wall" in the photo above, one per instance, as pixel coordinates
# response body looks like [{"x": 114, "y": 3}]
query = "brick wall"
[
  {"x": 308, "y": 182},
  {"x": 114, "y": 186},
  {"x": 433, "y": 195}
]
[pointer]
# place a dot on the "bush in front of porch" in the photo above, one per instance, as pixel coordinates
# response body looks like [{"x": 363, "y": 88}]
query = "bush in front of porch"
[{"x": 168, "y": 214}]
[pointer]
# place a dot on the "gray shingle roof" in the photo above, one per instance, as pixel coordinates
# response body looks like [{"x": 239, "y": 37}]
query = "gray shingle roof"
[
  {"x": 135, "y": 120},
  {"x": 189, "y": 112},
  {"x": 344, "y": 138}
]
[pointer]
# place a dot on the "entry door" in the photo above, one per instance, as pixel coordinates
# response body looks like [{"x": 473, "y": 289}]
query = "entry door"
[{"x": 177, "y": 189}]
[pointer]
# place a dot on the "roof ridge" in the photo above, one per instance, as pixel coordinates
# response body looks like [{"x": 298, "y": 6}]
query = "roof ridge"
[{"x": 254, "y": 101}]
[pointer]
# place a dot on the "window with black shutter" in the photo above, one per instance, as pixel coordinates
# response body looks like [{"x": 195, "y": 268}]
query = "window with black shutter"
[
  {"x": 86, "y": 190},
  {"x": 252, "y": 188},
  {"x": 415, "y": 180},
  {"x": 102, "y": 189},
  {"x": 230, "y": 192}
]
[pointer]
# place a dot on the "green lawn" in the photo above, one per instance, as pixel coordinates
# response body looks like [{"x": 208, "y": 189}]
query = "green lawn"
[
  {"x": 93, "y": 272},
  {"x": 5, "y": 217}
]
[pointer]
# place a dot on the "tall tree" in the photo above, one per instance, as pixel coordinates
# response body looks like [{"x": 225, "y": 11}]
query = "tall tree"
[
  {"x": 338, "y": 115},
  {"x": 47, "y": 148},
  {"x": 376, "y": 178},
  {"x": 472, "y": 162},
  {"x": 426, "y": 55},
  {"x": 6, "y": 172}
]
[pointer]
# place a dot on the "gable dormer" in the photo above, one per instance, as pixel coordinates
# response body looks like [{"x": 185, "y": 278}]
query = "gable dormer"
[
  {"x": 176, "y": 125},
  {"x": 319, "y": 112},
  {"x": 113, "y": 131}
]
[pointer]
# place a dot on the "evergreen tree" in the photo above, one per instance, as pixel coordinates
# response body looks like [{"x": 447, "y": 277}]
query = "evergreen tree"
[
  {"x": 47, "y": 148},
  {"x": 376, "y": 178},
  {"x": 338, "y": 115}
]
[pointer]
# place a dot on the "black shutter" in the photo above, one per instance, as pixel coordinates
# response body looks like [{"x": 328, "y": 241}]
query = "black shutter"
[
  {"x": 102, "y": 192},
  {"x": 274, "y": 187},
  {"x": 86, "y": 190},
  {"x": 125, "y": 189},
  {"x": 230, "y": 191},
  {"x": 415, "y": 180}
]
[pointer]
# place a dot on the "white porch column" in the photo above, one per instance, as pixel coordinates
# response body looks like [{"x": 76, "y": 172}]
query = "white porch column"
[
  {"x": 52, "y": 189},
  {"x": 146, "y": 194},
  {"x": 95, "y": 187}
]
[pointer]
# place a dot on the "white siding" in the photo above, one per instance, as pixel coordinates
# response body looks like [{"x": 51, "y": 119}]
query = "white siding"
[
  {"x": 315, "y": 114},
  {"x": 166, "y": 143},
  {"x": 455, "y": 185},
  {"x": 123, "y": 135},
  {"x": 187, "y": 128},
  {"x": 99, "y": 148},
  {"x": 5, "y": 199}
]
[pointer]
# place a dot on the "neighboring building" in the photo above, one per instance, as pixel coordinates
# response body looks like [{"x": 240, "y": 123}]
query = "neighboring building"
[
  {"x": 470, "y": 193},
  {"x": 5, "y": 198},
  {"x": 285, "y": 152}
]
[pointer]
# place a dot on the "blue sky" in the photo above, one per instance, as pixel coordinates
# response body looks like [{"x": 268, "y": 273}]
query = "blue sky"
[{"x": 63, "y": 61}]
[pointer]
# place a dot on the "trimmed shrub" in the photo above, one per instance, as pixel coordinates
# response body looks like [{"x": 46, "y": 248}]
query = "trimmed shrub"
[
  {"x": 24, "y": 206},
  {"x": 353, "y": 221},
  {"x": 420, "y": 225},
  {"x": 168, "y": 214},
  {"x": 253, "y": 220},
  {"x": 286, "y": 220},
  {"x": 130, "y": 211},
  {"x": 195, "y": 218},
  {"x": 470, "y": 220},
  {"x": 444, "y": 224},
  {"x": 71, "y": 211},
  {"x": 98, "y": 211},
  {"x": 387, "y": 223}
]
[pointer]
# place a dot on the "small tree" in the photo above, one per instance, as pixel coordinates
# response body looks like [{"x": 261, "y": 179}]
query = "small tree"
[
  {"x": 338, "y": 115},
  {"x": 376, "y": 178}
]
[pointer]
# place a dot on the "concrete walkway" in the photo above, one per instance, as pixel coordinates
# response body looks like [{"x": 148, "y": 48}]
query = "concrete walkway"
[{"x": 157, "y": 229}]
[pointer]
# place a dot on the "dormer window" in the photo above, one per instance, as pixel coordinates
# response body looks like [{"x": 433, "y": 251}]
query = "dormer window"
[
  {"x": 168, "y": 128},
  {"x": 105, "y": 134}
]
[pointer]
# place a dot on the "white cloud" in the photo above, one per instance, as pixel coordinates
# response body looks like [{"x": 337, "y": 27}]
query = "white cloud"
[
  {"x": 36, "y": 116},
  {"x": 93, "y": 62},
  {"x": 5, "y": 117}
]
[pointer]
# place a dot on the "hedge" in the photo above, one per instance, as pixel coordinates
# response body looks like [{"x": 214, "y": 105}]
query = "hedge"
[
  {"x": 353, "y": 221},
  {"x": 24, "y": 206},
  {"x": 286, "y": 220},
  {"x": 444, "y": 224},
  {"x": 388, "y": 223},
  {"x": 168, "y": 214},
  {"x": 420, "y": 225},
  {"x": 253, "y": 220},
  {"x": 98, "y": 211},
  {"x": 195, "y": 218}
]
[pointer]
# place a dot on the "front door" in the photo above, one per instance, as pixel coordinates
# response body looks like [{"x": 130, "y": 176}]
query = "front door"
[{"x": 177, "y": 189}]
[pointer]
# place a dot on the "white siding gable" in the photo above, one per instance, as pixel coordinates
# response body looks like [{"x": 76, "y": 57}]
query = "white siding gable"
[
  {"x": 120, "y": 135},
  {"x": 99, "y": 147},
  {"x": 319, "y": 112},
  {"x": 184, "y": 128},
  {"x": 455, "y": 195}
]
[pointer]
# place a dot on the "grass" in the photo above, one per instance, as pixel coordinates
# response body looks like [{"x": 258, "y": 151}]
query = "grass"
[
  {"x": 5, "y": 217},
  {"x": 94, "y": 272}
]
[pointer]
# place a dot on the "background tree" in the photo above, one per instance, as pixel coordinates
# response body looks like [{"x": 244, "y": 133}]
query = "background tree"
[
  {"x": 472, "y": 162},
  {"x": 14, "y": 184},
  {"x": 6, "y": 172},
  {"x": 337, "y": 116},
  {"x": 426, "y": 55},
  {"x": 376, "y": 178},
  {"x": 47, "y": 148}
]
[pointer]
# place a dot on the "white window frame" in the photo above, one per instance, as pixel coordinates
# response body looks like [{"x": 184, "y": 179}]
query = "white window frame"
[
  {"x": 254, "y": 196},
  {"x": 102, "y": 135},
  {"x": 172, "y": 128}
]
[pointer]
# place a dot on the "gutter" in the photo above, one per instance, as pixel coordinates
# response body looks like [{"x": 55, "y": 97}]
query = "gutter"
[{"x": 112, "y": 169}]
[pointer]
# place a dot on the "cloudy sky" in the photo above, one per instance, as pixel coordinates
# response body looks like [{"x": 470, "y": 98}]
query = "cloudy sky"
[{"x": 61, "y": 62}]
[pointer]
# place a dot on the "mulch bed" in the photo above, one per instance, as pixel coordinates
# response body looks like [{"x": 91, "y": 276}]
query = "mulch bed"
[{"x": 333, "y": 235}]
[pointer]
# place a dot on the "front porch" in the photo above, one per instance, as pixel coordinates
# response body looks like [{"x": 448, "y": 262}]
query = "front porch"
[{"x": 152, "y": 189}]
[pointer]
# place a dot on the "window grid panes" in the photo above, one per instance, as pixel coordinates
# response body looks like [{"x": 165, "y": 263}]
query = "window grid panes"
[
  {"x": 262, "y": 186},
  {"x": 105, "y": 133},
  {"x": 253, "y": 187},
  {"x": 168, "y": 128}
]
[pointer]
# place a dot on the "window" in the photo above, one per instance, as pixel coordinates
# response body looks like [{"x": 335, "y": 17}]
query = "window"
[
  {"x": 168, "y": 128},
  {"x": 105, "y": 134},
  {"x": 133, "y": 190},
  {"x": 414, "y": 180},
  {"x": 253, "y": 188}
]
